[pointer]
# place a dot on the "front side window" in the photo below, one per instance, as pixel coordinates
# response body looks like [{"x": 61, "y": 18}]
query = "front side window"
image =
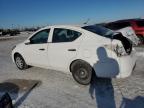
[
  {"x": 40, "y": 37},
  {"x": 65, "y": 35}
]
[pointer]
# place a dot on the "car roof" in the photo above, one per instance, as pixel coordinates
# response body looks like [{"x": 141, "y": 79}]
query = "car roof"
[
  {"x": 75, "y": 27},
  {"x": 63, "y": 26}
]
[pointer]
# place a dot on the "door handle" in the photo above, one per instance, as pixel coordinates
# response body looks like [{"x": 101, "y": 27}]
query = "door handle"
[
  {"x": 71, "y": 49},
  {"x": 42, "y": 49}
]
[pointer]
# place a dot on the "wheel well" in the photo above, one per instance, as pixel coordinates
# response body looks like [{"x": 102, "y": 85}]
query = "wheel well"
[
  {"x": 16, "y": 54},
  {"x": 70, "y": 68}
]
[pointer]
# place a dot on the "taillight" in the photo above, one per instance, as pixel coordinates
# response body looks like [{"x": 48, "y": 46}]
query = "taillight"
[{"x": 119, "y": 50}]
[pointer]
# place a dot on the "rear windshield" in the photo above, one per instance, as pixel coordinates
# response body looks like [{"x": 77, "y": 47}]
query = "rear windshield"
[
  {"x": 100, "y": 30},
  {"x": 140, "y": 23}
]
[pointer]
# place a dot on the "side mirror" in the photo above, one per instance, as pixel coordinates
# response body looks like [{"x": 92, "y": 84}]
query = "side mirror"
[{"x": 27, "y": 42}]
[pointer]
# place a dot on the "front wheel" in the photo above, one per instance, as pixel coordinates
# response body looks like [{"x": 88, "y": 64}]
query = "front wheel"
[
  {"x": 20, "y": 62},
  {"x": 82, "y": 72}
]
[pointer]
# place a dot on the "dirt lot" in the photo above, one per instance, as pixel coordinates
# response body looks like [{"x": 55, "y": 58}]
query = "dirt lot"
[{"x": 59, "y": 90}]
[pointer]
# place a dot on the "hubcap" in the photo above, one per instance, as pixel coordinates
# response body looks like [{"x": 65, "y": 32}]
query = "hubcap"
[
  {"x": 82, "y": 73},
  {"x": 19, "y": 62}
]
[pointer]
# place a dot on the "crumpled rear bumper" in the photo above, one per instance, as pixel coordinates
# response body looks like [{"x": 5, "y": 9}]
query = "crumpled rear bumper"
[{"x": 127, "y": 65}]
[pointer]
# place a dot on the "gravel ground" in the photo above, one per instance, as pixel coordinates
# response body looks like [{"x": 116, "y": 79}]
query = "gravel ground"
[{"x": 59, "y": 90}]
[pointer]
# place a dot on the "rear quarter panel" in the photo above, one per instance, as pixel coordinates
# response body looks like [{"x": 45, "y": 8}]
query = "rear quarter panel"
[{"x": 93, "y": 51}]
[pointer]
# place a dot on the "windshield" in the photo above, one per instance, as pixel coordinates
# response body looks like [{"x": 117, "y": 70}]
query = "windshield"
[{"x": 100, "y": 30}]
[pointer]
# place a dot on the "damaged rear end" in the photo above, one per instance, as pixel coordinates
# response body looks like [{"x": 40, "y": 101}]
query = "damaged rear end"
[
  {"x": 122, "y": 59},
  {"x": 124, "y": 53},
  {"x": 130, "y": 34}
]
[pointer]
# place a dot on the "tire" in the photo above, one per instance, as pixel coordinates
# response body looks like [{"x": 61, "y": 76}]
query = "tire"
[
  {"x": 81, "y": 72},
  {"x": 20, "y": 62}
]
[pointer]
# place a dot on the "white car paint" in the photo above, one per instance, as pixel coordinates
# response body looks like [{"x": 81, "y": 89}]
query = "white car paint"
[
  {"x": 130, "y": 34},
  {"x": 106, "y": 63}
]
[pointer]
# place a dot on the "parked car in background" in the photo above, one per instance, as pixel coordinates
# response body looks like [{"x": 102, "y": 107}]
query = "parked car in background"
[
  {"x": 136, "y": 24},
  {"x": 83, "y": 51},
  {"x": 11, "y": 32}
]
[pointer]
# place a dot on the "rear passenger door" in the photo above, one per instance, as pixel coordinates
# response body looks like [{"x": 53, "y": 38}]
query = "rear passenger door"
[{"x": 63, "y": 48}]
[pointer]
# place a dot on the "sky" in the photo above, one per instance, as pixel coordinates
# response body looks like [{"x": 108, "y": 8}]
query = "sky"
[{"x": 17, "y": 13}]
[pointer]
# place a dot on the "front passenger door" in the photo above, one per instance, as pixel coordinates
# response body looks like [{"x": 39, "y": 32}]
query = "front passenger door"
[{"x": 36, "y": 51}]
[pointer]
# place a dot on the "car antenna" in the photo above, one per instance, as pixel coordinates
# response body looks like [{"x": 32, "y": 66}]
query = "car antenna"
[{"x": 86, "y": 21}]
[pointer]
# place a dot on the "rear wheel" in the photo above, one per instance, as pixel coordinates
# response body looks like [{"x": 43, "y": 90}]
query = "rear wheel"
[
  {"x": 82, "y": 72},
  {"x": 20, "y": 62}
]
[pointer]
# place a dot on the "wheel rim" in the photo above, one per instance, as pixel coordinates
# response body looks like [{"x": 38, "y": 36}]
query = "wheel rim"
[
  {"x": 19, "y": 62},
  {"x": 82, "y": 74}
]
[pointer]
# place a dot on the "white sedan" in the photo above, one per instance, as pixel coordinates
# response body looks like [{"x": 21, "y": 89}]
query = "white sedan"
[{"x": 83, "y": 51}]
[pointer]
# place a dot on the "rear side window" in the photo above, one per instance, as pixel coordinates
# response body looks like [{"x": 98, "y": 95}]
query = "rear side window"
[
  {"x": 140, "y": 23},
  {"x": 65, "y": 35}
]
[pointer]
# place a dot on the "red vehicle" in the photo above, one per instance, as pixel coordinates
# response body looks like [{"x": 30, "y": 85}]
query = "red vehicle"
[{"x": 136, "y": 24}]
